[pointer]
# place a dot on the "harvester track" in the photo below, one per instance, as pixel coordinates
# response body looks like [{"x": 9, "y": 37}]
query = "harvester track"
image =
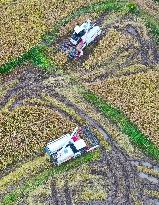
[
  {"x": 118, "y": 157},
  {"x": 118, "y": 161}
]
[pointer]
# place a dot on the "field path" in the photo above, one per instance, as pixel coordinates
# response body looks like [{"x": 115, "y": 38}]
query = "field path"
[{"x": 119, "y": 163}]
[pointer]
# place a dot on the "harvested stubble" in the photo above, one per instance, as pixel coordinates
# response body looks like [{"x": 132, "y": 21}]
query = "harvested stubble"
[
  {"x": 26, "y": 170},
  {"x": 91, "y": 192},
  {"x": 80, "y": 181},
  {"x": 41, "y": 193},
  {"x": 40, "y": 179},
  {"x": 151, "y": 193}
]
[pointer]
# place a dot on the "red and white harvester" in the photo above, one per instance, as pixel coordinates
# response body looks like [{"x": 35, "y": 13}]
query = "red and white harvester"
[
  {"x": 82, "y": 36},
  {"x": 70, "y": 146}
]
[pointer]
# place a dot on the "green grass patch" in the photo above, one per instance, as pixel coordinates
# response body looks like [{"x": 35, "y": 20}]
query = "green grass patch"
[
  {"x": 13, "y": 63},
  {"x": 39, "y": 58},
  {"x": 152, "y": 24},
  {"x": 127, "y": 127},
  {"x": 33, "y": 183},
  {"x": 157, "y": 1}
]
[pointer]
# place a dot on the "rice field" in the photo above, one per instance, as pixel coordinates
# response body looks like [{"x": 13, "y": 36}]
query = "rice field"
[{"x": 113, "y": 88}]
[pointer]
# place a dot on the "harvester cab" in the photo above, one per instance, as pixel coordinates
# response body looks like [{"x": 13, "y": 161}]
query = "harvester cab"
[{"x": 80, "y": 31}]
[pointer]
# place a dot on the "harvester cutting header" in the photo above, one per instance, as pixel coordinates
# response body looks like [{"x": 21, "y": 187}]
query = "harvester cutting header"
[{"x": 82, "y": 36}]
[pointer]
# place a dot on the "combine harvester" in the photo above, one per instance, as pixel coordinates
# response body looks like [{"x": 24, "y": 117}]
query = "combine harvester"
[
  {"x": 82, "y": 36},
  {"x": 70, "y": 146}
]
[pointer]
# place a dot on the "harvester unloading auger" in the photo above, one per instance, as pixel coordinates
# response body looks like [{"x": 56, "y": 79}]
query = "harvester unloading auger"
[{"x": 82, "y": 36}]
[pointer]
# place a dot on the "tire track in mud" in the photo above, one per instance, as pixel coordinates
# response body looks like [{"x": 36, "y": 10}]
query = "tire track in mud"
[
  {"x": 118, "y": 161},
  {"x": 149, "y": 185},
  {"x": 114, "y": 194},
  {"x": 150, "y": 164},
  {"x": 143, "y": 51},
  {"x": 152, "y": 200},
  {"x": 115, "y": 186},
  {"x": 54, "y": 192},
  {"x": 28, "y": 79},
  {"x": 115, "y": 160},
  {"x": 23, "y": 91},
  {"x": 67, "y": 192},
  {"x": 145, "y": 46},
  {"x": 126, "y": 169}
]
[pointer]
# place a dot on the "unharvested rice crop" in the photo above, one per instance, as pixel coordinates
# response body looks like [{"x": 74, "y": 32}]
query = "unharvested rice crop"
[
  {"x": 149, "y": 171},
  {"x": 132, "y": 68},
  {"x": 137, "y": 96},
  {"x": 26, "y": 131},
  {"x": 23, "y": 23},
  {"x": 151, "y": 193}
]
